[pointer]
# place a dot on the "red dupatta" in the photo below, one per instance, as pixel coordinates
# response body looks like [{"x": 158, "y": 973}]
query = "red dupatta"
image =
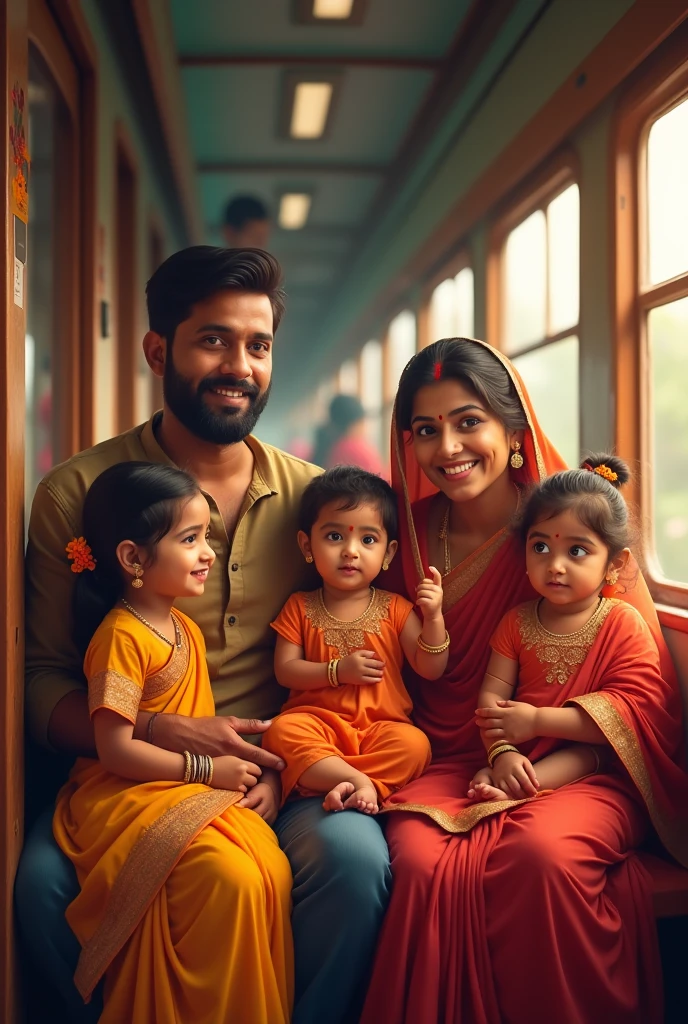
[{"x": 478, "y": 592}]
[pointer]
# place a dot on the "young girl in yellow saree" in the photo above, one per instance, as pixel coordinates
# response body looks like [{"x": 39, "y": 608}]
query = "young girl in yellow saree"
[{"x": 185, "y": 895}]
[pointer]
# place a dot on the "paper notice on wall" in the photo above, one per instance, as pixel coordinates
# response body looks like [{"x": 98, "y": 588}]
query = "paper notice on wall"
[{"x": 18, "y": 283}]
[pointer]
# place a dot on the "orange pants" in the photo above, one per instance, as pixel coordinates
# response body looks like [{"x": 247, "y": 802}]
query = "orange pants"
[{"x": 389, "y": 753}]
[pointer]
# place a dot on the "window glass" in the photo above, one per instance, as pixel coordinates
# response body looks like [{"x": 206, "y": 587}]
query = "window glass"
[
  {"x": 668, "y": 348},
  {"x": 667, "y": 194},
  {"x": 401, "y": 341},
  {"x": 550, "y": 374},
  {"x": 47, "y": 115},
  {"x": 464, "y": 303},
  {"x": 371, "y": 388},
  {"x": 525, "y": 281},
  {"x": 348, "y": 378},
  {"x": 563, "y": 219},
  {"x": 443, "y": 311}
]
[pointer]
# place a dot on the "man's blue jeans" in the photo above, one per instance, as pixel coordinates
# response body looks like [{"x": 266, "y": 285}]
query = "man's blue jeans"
[{"x": 341, "y": 888}]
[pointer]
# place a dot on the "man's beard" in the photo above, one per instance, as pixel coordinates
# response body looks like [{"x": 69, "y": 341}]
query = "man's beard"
[{"x": 221, "y": 426}]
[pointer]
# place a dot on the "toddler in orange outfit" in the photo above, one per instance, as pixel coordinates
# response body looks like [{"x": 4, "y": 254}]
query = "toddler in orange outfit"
[{"x": 345, "y": 729}]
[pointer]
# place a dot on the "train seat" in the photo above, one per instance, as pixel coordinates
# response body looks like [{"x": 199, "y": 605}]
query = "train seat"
[{"x": 669, "y": 885}]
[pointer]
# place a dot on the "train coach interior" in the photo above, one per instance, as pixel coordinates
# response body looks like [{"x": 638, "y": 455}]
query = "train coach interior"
[{"x": 511, "y": 170}]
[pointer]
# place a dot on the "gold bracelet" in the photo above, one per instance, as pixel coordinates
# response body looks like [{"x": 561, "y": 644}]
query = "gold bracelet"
[
  {"x": 332, "y": 677},
  {"x": 505, "y": 749},
  {"x": 211, "y": 768},
  {"x": 493, "y": 746},
  {"x": 429, "y": 649},
  {"x": 187, "y": 766},
  {"x": 149, "y": 730}
]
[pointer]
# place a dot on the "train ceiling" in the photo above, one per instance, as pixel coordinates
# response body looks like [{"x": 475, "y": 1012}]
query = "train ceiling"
[{"x": 381, "y": 80}]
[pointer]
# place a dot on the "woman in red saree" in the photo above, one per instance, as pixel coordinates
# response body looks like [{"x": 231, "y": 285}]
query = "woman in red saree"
[{"x": 531, "y": 911}]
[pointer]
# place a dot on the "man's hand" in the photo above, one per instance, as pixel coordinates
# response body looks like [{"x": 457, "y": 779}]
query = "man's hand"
[
  {"x": 216, "y": 736},
  {"x": 512, "y": 721}
]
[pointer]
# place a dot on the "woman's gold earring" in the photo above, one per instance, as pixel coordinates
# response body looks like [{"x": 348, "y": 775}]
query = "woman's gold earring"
[
  {"x": 516, "y": 459},
  {"x": 385, "y": 565},
  {"x": 137, "y": 581},
  {"x": 309, "y": 558},
  {"x": 612, "y": 577}
]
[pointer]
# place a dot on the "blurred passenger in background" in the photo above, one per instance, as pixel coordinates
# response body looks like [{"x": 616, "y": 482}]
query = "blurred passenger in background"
[
  {"x": 343, "y": 440},
  {"x": 246, "y": 223}
]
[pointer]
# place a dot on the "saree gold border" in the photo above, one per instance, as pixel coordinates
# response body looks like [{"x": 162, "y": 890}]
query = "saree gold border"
[
  {"x": 111, "y": 689},
  {"x": 465, "y": 820},
  {"x": 623, "y": 741},
  {"x": 398, "y": 443},
  {"x": 146, "y": 869}
]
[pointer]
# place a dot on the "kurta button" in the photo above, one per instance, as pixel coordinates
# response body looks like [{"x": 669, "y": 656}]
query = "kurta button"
[
  {"x": 232, "y": 619},
  {"x": 235, "y": 566}
]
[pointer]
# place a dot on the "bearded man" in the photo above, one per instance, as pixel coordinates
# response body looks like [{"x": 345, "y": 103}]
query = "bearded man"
[{"x": 213, "y": 314}]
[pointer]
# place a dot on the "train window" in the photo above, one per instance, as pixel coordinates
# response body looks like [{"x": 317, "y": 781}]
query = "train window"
[
  {"x": 664, "y": 266},
  {"x": 540, "y": 312},
  {"x": 370, "y": 375},
  {"x": 451, "y": 307},
  {"x": 347, "y": 381},
  {"x": 400, "y": 346}
]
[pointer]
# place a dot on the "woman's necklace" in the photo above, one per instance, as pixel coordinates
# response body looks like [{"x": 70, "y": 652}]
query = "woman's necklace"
[
  {"x": 444, "y": 531},
  {"x": 349, "y": 622},
  {"x": 177, "y": 632}
]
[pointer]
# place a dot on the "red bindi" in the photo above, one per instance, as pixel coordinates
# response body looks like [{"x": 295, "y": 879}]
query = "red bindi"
[
  {"x": 556, "y": 535},
  {"x": 351, "y": 529},
  {"x": 440, "y": 419}
]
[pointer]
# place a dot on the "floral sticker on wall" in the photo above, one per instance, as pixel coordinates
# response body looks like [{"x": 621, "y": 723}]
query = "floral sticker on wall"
[{"x": 20, "y": 156}]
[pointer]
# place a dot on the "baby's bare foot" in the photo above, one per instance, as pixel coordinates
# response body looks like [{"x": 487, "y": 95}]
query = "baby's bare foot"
[
  {"x": 363, "y": 799},
  {"x": 333, "y": 800}
]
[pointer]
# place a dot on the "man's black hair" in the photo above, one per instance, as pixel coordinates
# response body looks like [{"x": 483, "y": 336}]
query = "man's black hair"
[
  {"x": 350, "y": 487},
  {"x": 196, "y": 273},
  {"x": 242, "y": 210}
]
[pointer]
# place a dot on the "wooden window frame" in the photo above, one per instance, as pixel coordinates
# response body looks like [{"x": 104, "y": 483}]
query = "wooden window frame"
[
  {"x": 448, "y": 270},
  {"x": 536, "y": 193},
  {"x": 156, "y": 242},
  {"x": 659, "y": 85},
  {"x": 126, "y": 296}
]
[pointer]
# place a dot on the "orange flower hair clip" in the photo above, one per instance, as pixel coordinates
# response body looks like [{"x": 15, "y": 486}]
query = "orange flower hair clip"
[
  {"x": 603, "y": 471},
  {"x": 79, "y": 554}
]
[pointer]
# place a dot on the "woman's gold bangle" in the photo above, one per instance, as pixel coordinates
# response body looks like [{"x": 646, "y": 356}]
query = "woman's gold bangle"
[
  {"x": 493, "y": 746},
  {"x": 211, "y": 768},
  {"x": 187, "y": 766},
  {"x": 429, "y": 649},
  {"x": 504, "y": 749}
]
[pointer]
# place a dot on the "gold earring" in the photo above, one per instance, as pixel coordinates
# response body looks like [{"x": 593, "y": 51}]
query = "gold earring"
[
  {"x": 385, "y": 565},
  {"x": 137, "y": 582},
  {"x": 309, "y": 558},
  {"x": 516, "y": 459},
  {"x": 612, "y": 577}
]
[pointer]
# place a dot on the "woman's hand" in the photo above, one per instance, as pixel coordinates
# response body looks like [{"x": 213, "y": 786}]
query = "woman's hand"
[
  {"x": 429, "y": 595},
  {"x": 360, "y": 669},
  {"x": 511, "y": 720},
  {"x": 482, "y": 788},
  {"x": 514, "y": 774},
  {"x": 233, "y": 773}
]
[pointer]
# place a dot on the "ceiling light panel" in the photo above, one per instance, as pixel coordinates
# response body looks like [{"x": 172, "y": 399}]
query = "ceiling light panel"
[
  {"x": 332, "y": 8},
  {"x": 294, "y": 210},
  {"x": 311, "y": 107}
]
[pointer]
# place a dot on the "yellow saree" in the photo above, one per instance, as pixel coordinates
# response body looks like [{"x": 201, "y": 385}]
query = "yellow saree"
[{"x": 185, "y": 899}]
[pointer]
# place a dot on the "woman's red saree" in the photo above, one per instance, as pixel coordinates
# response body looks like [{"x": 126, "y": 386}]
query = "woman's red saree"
[{"x": 540, "y": 911}]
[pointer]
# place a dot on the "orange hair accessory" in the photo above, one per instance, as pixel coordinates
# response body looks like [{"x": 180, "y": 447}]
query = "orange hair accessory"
[
  {"x": 603, "y": 471},
  {"x": 79, "y": 554}
]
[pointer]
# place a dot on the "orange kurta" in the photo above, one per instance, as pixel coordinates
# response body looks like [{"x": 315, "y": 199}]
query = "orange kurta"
[
  {"x": 368, "y": 726},
  {"x": 185, "y": 898}
]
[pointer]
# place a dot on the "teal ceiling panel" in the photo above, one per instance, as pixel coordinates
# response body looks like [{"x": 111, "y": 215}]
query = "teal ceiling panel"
[
  {"x": 394, "y": 27},
  {"x": 234, "y": 115}
]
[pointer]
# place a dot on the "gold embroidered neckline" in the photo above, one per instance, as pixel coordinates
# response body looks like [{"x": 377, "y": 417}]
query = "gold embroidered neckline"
[
  {"x": 344, "y": 636},
  {"x": 563, "y": 653}
]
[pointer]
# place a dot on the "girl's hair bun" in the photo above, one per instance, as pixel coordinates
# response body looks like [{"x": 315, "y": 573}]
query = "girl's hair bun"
[{"x": 609, "y": 467}]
